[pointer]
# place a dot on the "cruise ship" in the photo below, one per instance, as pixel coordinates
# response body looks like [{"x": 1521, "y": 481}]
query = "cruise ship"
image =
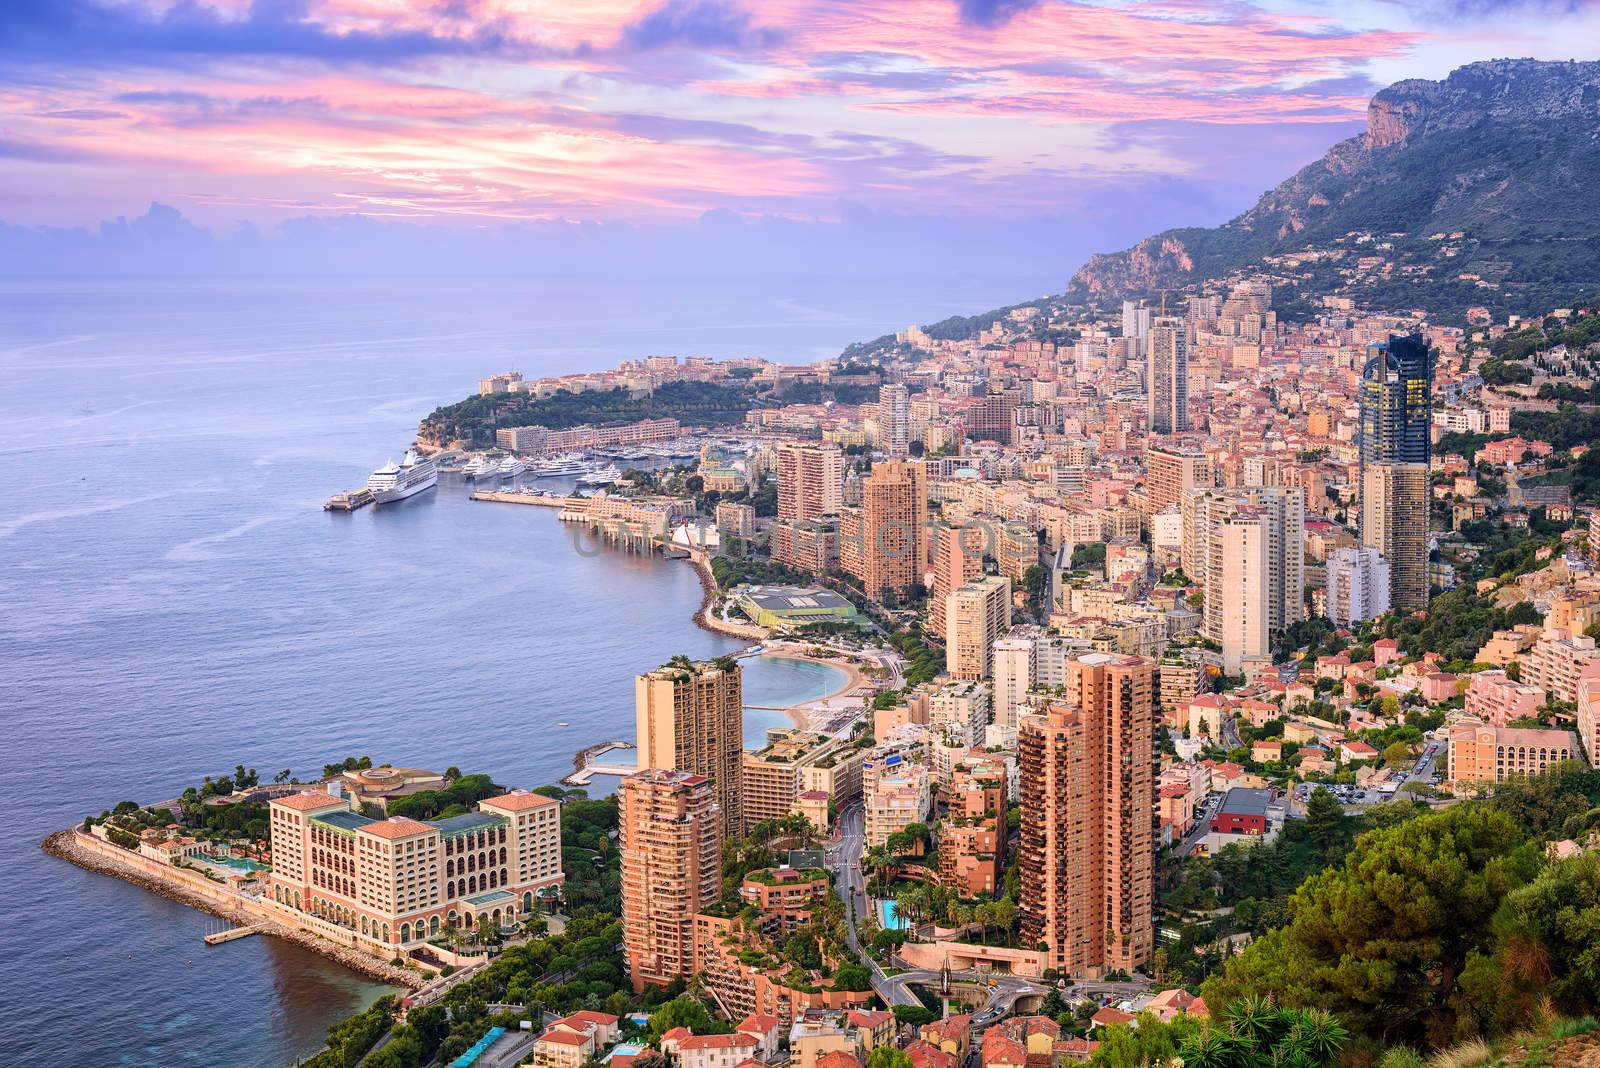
[
  {"x": 480, "y": 467},
  {"x": 393, "y": 482},
  {"x": 568, "y": 464},
  {"x": 510, "y": 467}
]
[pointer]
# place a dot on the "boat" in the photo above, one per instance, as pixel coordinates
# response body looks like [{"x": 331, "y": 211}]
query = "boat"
[
  {"x": 567, "y": 464},
  {"x": 479, "y": 467},
  {"x": 600, "y": 476},
  {"x": 510, "y": 467},
  {"x": 395, "y": 482}
]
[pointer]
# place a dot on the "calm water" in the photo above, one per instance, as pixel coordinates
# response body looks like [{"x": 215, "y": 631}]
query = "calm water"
[{"x": 173, "y": 601}]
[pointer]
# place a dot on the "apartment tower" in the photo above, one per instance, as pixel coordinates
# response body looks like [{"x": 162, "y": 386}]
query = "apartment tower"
[
  {"x": 894, "y": 510},
  {"x": 810, "y": 482},
  {"x": 671, "y": 846},
  {"x": 1088, "y": 818},
  {"x": 1170, "y": 472},
  {"x": 976, "y": 614},
  {"x": 894, "y": 419},
  {"x": 957, "y": 560},
  {"x": 1167, "y": 371},
  {"x": 1394, "y": 521},
  {"x": 690, "y": 717}
]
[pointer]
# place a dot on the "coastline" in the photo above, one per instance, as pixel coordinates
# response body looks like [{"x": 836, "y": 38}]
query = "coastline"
[
  {"x": 70, "y": 845},
  {"x": 708, "y": 595}
]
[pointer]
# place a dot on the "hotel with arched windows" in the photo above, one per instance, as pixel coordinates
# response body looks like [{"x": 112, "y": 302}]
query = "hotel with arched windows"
[{"x": 397, "y": 882}]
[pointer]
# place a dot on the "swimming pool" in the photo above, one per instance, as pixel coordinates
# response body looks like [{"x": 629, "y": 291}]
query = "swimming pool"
[
  {"x": 489, "y": 1038},
  {"x": 240, "y": 864},
  {"x": 888, "y": 918}
]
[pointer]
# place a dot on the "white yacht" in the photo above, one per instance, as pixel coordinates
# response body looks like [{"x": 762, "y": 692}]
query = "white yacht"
[
  {"x": 567, "y": 464},
  {"x": 479, "y": 467},
  {"x": 396, "y": 482},
  {"x": 600, "y": 476},
  {"x": 510, "y": 467}
]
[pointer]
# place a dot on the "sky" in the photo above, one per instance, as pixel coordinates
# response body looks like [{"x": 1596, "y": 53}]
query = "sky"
[{"x": 632, "y": 127}]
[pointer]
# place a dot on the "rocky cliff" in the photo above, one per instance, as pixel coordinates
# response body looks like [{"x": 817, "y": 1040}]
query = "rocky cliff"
[{"x": 1506, "y": 151}]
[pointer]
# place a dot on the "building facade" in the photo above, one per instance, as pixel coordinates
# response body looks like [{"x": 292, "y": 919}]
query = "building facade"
[
  {"x": 690, "y": 717},
  {"x": 976, "y": 615},
  {"x": 671, "y": 855},
  {"x": 1089, "y": 816},
  {"x": 397, "y": 882}
]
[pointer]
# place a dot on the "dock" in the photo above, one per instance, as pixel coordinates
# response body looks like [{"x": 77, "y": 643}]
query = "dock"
[
  {"x": 349, "y": 502},
  {"x": 585, "y": 766},
  {"x": 504, "y": 497},
  {"x": 218, "y": 937}
]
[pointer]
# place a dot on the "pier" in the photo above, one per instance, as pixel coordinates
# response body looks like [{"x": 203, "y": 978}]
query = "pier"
[
  {"x": 504, "y": 497},
  {"x": 349, "y": 502},
  {"x": 585, "y": 767},
  {"x": 216, "y": 938}
]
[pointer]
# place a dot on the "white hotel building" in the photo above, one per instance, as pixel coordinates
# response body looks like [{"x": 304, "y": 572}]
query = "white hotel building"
[{"x": 395, "y": 882}]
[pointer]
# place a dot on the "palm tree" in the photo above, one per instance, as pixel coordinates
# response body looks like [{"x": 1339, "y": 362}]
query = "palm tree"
[
  {"x": 1252, "y": 1021},
  {"x": 1211, "y": 1048}
]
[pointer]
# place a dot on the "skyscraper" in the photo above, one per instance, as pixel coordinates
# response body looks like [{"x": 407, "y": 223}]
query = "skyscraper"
[
  {"x": 957, "y": 559},
  {"x": 894, "y": 509},
  {"x": 1088, "y": 818},
  {"x": 975, "y": 616},
  {"x": 894, "y": 419},
  {"x": 1013, "y": 678},
  {"x": 1396, "y": 409},
  {"x": 1167, "y": 376},
  {"x": 1244, "y": 593},
  {"x": 671, "y": 844},
  {"x": 1394, "y": 521},
  {"x": 690, "y": 717},
  {"x": 810, "y": 482},
  {"x": 994, "y": 416},
  {"x": 1135, "y": 320},
  {"x": 1396, "y": 402}
]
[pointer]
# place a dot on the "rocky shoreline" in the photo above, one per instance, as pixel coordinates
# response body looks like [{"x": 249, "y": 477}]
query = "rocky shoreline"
[
  {"x": 65, "y": 845},
  {"x": 708, "y": 596}
]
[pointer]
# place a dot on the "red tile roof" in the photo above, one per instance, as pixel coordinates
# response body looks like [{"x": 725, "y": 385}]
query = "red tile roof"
[
  {"x": 520, "y": 801},
  {"x": 565, "y": 1038},
  {"x": 305, "y": 802}
]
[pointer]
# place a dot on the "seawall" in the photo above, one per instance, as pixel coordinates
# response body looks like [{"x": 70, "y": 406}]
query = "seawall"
[{"x": 198, "y": 892}]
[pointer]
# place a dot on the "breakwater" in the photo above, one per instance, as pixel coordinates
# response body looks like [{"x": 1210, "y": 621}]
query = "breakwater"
[{"x": 197, "y": 892}]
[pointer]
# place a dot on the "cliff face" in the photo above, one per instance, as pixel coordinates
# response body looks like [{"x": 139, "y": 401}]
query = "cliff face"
[{"x": 1508, "y": 150}]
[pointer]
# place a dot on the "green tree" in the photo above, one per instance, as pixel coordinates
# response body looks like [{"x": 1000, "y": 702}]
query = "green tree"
[
  {"x": 852, "y": 977},
  {"x": 888, "y": 1057},
  {"x": 1325, "y": 820},
  {"x": 1382, "y": 940}
]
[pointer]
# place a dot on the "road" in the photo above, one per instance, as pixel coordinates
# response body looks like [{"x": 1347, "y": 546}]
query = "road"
[
  {"x": 1202, "y": 824},
  {"x": 843, "y": 858}
]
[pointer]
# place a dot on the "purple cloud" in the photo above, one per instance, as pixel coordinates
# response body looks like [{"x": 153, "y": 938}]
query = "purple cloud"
[
  {"x": 712, "y": 24},
  {"x": 991, "y": 14}
]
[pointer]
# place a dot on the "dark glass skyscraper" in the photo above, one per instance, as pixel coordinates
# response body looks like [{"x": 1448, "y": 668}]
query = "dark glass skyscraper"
[{"x": 1396, "y": 402}]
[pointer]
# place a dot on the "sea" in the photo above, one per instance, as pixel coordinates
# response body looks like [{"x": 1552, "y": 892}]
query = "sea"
[{"x": 174, "y": 601}]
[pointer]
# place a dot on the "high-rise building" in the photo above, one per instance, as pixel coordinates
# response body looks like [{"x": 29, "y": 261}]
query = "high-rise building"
[
  {"x": 1167, "y": 376},
  {"x": 1396, "y": 402},
  {"x": 1213, "y": 541},
  {"x": 1088, "y": 814},
  {"x": 690, "y": 717},
  {"x": 1135, "y": 320},
  {"x": 1394, "y": 521},
  {"x": 810, "y": 482},
  {"x": 890, "y": 553},
  {"x": 993, "y": 417},
  {"x": 894, "y": 419},
  {"x": 671, "y": 845},
  {"x": 1013, "y": 678},
  {"x": 1358, "y": 585},
  {"x": 957, "y": 560},
  {"x": 1170, "y": 472},
  {"x": 976, "y": 614}
]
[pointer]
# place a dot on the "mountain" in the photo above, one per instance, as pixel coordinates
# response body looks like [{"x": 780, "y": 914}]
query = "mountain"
[{"x": 1490, "y": 173}]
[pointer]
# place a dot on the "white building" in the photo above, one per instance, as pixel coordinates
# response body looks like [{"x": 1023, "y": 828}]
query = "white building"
[{"x": 1358, "y": 585}]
